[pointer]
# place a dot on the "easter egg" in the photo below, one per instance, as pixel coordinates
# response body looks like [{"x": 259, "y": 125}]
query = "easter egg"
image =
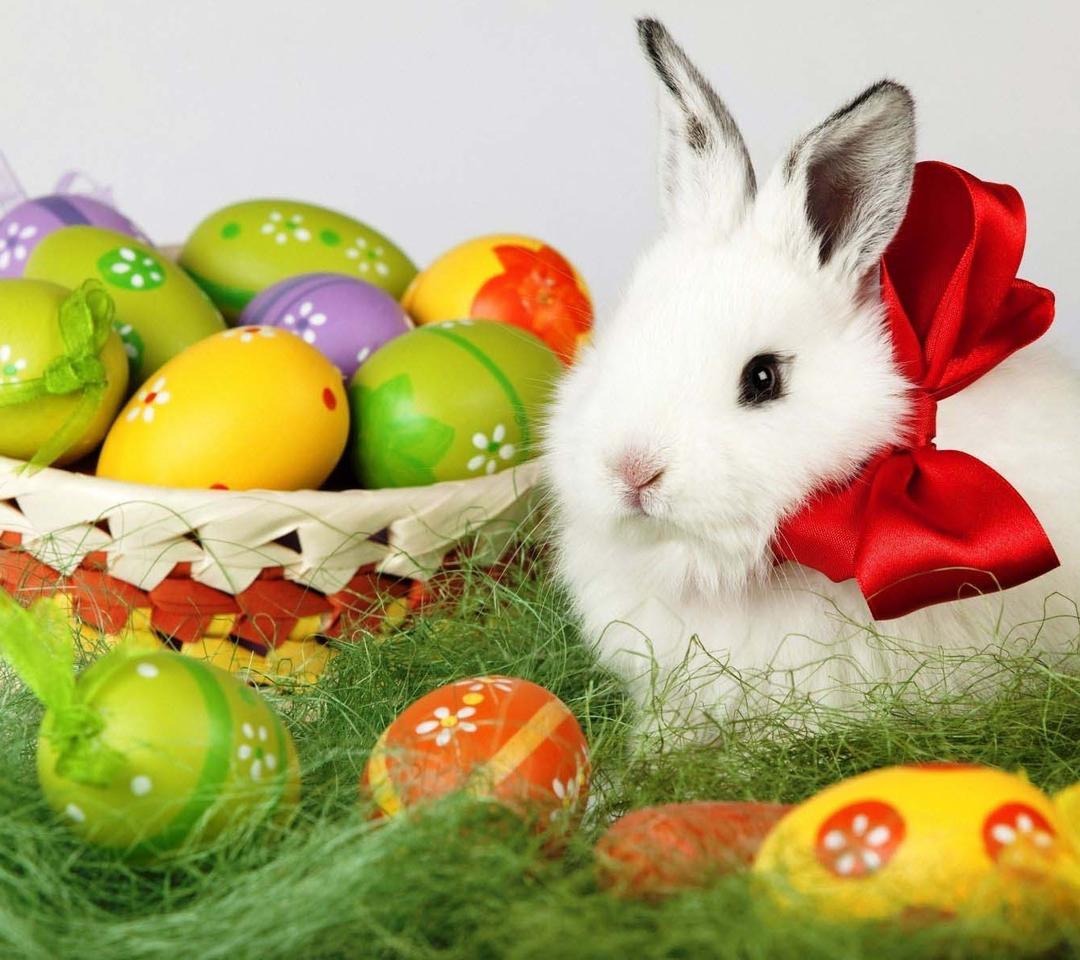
[
  {"x": 345, "y": 319},
  {"x": 30, "y": 340},
  {"x": 252, "y": 407},
  {"x": 939, "y": 840},
  {"x": 191, "y": 751},
  {"x": 244, "y": 248},
  {"x": 449, "y": 401},
  {"x": 23, "y": 227},
  {"x": 153, "y": 296},
  {"x": 656, "y": 851},
  {"x": 498, "y": 738},
  {"x": 512, "y": 279}
]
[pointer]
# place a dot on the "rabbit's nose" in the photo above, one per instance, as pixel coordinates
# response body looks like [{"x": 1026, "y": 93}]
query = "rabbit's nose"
[{"x": 638, "y": 473}]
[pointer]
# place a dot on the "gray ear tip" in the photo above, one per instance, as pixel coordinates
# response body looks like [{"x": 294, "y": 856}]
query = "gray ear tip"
[
  {"x": 896, "y": 94},
  {"x": 651, "y": 33}
]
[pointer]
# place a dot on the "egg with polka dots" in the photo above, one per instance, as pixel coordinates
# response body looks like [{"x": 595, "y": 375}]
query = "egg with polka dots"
[
  {"x": 250, "y": 408},
  {"x": 936, "y": 840},
  {"x": 159, "y": 306},
  {"x": 197, "y": 752},
  {"x": 240, "y": 250}
]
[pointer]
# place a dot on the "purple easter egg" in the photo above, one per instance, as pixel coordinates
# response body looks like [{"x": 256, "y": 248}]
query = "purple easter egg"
[
  {"x": 346, "y": 319},
  {"x": 25, "y": 226}
]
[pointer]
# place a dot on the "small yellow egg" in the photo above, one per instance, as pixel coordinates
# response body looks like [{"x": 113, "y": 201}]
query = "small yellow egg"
[{"x": 250, "y": 408}]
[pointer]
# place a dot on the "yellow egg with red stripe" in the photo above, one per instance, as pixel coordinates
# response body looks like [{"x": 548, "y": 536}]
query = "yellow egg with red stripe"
[
  {"x": 250, "y": 408},
  {"x": 191, "y": 750},
  {"x": 499, "y": 738},
  {"x": 936, "y": 840},
  {"x": 511, "y": 279}
]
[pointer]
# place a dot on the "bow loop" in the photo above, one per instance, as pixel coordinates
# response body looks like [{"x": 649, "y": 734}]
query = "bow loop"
[
  {"x": 955, "y": 308},
  {"x": 918, "y": 525}
]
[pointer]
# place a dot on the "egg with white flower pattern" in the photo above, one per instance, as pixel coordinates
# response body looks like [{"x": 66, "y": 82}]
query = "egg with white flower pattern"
[
  {"x": 498, "y": 738},
  {"x": 345, "y": 319},
  {"x": 246, "y": 247},
  {"x": 930, "y": 840},
  {"x": 189, "y": 750},
  {"x": 154, "y": 297},
  {"x": 253, "y": 407},
  {"x": 23, "y": 227},
  {"x": 449, "y": 401}
]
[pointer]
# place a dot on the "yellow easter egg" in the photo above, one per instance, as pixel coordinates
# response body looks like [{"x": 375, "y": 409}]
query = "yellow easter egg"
[
  {"x": 933, "y": 840},
  {"x": 250, "y": 408},
  {"x": 510, "y": 279}
]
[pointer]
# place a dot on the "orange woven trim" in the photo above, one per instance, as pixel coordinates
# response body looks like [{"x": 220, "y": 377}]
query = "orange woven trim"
[{"x": 181, "y": 609}]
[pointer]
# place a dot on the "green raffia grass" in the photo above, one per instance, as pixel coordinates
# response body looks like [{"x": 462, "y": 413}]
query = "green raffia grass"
[{"x": 460, "y": 881}]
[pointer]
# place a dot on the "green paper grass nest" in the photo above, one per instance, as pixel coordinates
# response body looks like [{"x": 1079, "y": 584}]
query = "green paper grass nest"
[{"x": 462, "y": 881}]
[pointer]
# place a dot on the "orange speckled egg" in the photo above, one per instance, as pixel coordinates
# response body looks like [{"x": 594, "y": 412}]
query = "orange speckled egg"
[
  {"x": 499, "y": 738},
  {"x": 250, "y": 408}
]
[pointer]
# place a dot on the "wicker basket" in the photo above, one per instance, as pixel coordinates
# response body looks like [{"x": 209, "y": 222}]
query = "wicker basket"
[{"x": 254, "y": 581}]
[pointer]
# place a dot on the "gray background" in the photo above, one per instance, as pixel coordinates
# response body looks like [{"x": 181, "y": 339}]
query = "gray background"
[{"x": 435, "y": 121}]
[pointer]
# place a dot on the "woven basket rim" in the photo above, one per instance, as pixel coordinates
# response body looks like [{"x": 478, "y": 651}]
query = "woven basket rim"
[{"x": 523, "y": 474}]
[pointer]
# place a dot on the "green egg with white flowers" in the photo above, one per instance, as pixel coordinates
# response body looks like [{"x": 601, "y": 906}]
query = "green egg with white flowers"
[
  {"x": 158, "y": 306},
  {"x": 246, "y": 247}
]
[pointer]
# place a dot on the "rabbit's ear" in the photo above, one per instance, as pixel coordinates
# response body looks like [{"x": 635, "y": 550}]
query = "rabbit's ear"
[
  {"x": 848, "y": 181},
  {"x": 705, "y": 170}
]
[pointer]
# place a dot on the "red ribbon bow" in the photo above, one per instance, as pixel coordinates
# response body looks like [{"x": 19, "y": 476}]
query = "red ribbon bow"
[{"x": 919, "y": 525}]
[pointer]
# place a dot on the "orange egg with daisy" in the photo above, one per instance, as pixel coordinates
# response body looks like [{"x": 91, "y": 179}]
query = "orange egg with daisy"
[
  {"x": 498, "y": 738},
  {"x": 249, "y": 408}
]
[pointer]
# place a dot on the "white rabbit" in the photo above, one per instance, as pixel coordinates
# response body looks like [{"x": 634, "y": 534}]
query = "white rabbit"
[{"x": 670, "y": 481}]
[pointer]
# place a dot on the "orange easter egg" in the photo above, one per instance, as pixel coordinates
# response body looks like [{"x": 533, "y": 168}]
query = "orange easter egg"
[
  {"x": 498, "y": 738},
  {"x": 510, "y": 279},
  {"x": 656, "y": 851}
]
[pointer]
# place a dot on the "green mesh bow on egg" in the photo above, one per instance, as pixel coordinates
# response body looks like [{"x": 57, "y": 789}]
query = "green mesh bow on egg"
[{"x": 85, "y": 320}]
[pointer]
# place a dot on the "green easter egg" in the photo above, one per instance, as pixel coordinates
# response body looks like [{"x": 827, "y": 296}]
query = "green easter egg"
[
  {"x": 198, "y": 751},
  {"x": 30, "y": 340},
  {"x": 153, "y": 296},
  {"x": 449, "y": 401},
  {"x": 244, "y": 248}
]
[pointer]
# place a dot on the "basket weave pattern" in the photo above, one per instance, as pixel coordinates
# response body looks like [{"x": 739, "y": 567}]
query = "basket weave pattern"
[{"x": 254, "y": 581}]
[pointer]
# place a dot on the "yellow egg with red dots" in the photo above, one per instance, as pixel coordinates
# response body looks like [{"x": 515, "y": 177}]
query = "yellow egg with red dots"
[
  {"x": 924, "y": 842},
  {"x": 249, "y": 408}
]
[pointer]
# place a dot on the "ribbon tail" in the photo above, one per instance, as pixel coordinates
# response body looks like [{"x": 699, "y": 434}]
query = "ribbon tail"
[
  {"x": 70, "y": 433},
  {"x": 942, "y": 526}
]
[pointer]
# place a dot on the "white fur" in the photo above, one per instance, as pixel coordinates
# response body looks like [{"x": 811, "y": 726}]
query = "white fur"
[{"x": 687, "y": 594}]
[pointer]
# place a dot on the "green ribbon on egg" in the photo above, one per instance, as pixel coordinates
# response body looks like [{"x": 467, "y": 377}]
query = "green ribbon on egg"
[
  {"x": 40, "y": 648},
  {"x": 85, "y": 319}
]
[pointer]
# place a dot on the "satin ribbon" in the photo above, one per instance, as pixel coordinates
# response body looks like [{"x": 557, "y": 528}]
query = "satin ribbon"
[
  {"x": 919, "y": 525},
  {"x": 85, "y": 319}
]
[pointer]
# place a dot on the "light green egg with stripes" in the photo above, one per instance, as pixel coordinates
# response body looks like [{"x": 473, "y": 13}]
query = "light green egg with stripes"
[
  {"x": 199, "y": 752},
  {"x": 449, "y": 401},
  {"x": 240, "y": 250}
]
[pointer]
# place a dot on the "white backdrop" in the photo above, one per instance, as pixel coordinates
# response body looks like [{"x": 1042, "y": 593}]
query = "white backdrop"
[{"x": 435, "y": 121}]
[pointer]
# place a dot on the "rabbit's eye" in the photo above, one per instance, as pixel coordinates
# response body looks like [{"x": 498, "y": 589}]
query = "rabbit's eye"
[{"x": 761, "y": 380}]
